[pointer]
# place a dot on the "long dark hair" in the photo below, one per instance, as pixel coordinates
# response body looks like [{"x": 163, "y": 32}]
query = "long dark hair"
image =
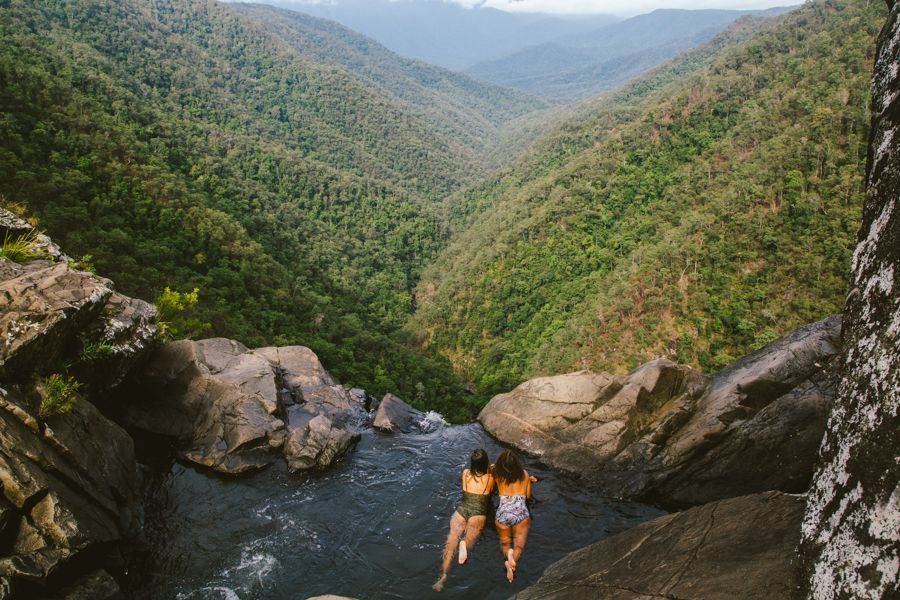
[
  {"x": 508, "y": 468},
  {"x": 479, "y": 464}
]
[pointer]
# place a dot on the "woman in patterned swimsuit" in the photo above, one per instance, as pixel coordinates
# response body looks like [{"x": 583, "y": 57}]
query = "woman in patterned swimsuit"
[
  {"x": 471, "y": 514},
  {"x": 512, "y": 519}
]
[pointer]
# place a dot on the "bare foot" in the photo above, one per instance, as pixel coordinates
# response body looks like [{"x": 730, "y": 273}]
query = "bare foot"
[
  {"x": 510, "y": 557},
  {"x": 510, "y": 571},
  {"x": 439, "y": 584},
  {"x": 463, "y": 553}
]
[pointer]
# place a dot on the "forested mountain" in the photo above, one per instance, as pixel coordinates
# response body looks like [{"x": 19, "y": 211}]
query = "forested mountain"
[
  {"x": 698, "y": 213},
  {"x": 466, "y": 111},
  {"x": 183, "y": 144},
  {"x": 445, "y": 33},
  {"x": 583, "y": 65}
]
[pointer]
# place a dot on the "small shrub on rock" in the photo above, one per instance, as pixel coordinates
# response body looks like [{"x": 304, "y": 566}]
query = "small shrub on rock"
[{"x": 57, "y": 394}]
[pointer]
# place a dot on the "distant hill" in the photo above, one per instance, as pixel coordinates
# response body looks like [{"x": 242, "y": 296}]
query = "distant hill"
[
  {"x": 447, "y": 34},
  {"x": 579, "y": 66},
  {"x": 467, "y": 112},
  {"x": 698, "y": 213}
]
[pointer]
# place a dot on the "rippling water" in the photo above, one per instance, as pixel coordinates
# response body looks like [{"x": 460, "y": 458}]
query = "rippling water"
[{"x": 370, "y": 527}]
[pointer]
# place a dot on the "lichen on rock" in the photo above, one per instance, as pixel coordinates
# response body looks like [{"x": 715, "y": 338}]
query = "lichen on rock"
[{"x": 851, "y": 528}]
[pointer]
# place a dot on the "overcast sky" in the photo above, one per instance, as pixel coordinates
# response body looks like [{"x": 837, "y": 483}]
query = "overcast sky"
[{"x": 618, "y": 7}]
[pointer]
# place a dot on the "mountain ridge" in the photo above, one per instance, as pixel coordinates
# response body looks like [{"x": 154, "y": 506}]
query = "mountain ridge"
[
  {"x": 583, "y": 65},
  {"x": 443, "y": 33}
]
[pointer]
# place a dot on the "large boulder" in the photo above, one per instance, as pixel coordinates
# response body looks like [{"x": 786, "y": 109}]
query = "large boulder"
[
  {"x": 851, "y": 529},
  {"x": 742, "y": 547},
  {"x": 215, "y": 398},
  {"x": 232, "y": 408},
  {"x": 668, "y": 434}
]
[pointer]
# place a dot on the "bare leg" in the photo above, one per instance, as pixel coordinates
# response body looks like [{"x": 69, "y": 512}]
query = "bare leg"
[
  {"x": 473, "y": 527},
  {"x": 457, "y": 526},
  {"x": 520, "y": 534},
  {"x": 505, "y": 534}
]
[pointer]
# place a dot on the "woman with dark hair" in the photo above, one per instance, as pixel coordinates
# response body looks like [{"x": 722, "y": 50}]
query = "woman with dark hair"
[
  {"x": 512, "y": 519},
  {"x": 471, "y": 513}
]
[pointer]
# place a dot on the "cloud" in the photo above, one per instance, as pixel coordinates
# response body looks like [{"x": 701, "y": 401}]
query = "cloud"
[{"x": 619, "y": 7}]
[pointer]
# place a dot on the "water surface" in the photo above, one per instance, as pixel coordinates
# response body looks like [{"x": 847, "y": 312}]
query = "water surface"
[{"x": 372, "y": 526}]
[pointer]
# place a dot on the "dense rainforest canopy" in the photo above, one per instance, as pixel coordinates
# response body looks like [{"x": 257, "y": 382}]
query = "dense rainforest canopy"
[
  {"x": 182, "y": 144},
  {"x": 699, "y": 213},
  {"x": 303, "y": 178}
]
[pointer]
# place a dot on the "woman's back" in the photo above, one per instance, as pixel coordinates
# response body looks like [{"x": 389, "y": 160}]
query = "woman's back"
[
  {"x": 520, "y": 487},
  {"x": 477, "y": 484}
]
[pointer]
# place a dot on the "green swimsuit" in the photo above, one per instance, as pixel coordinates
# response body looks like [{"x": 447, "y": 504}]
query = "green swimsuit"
[{"x": 473, "y": 505}]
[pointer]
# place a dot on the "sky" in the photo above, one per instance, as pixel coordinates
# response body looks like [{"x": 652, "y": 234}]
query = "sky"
[{"x": 616, "y": 7}]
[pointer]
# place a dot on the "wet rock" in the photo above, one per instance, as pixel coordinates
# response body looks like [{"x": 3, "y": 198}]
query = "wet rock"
[
  {"x": 317, "y": 443},
  {"x": 737, "y": 548},
  {"x": 324, "y": 421},
  {"x": 232, "y": 408},
  {"x": 668, "y": 434},
  {"x": 851, "y": 528},
  {"x": 394, "y": 415},
  {"x": 98, "y": 585},
  {"x": 364, "y": 399}
]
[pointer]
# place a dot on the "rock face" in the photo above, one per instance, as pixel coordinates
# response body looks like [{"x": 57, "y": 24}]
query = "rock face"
[
  {"x": 667, "y": 434},
  {"x": 50, "y": 310},
  {"x": 737, "y": 548},
  {"x": 71, "y": 486},
  {"x": 231, "y": 407},
  {"x": 851, "y": 529}
]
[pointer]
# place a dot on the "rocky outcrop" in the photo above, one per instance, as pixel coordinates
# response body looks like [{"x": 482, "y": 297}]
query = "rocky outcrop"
[
  {"x": 49, "y": 310},
  {"x": 851, "y": 529},
  {"x": 14, "y": 226},
  {"x": 70, "y": 482},
  {"x": 233, "y": 409},
  {"x": 668, "y": 434},
  {"x": 44, "y": 307},
  {"x": 737, "y": 548}
]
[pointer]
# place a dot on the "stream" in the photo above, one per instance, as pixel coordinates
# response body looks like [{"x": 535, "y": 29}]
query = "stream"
[{"x": 372, "y": 526}]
